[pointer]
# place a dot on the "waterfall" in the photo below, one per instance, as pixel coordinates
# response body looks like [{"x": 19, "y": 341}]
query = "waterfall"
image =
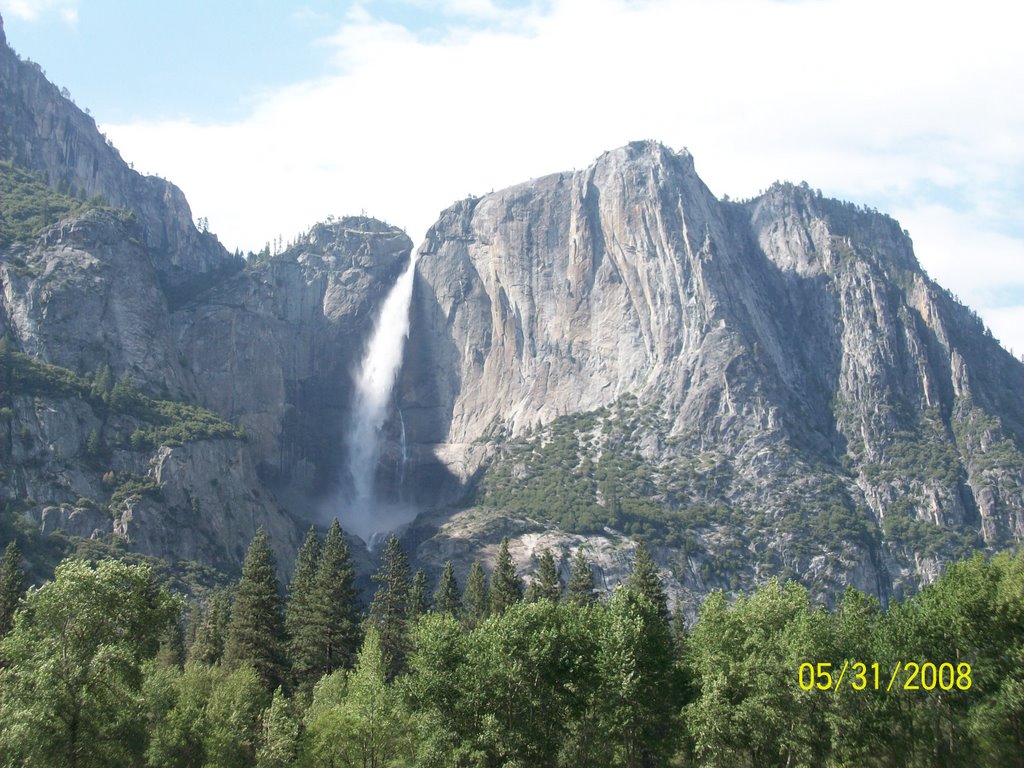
[
  {"x": 405, "y": 455},
  {"x": 374, "y": 382}
]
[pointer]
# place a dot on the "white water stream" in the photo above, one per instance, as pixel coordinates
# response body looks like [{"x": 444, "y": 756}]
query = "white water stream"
[{"x": 365, "y": 515}]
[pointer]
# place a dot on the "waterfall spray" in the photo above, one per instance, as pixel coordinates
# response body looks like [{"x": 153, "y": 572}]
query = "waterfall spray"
[{"x": 374, "y": 383}]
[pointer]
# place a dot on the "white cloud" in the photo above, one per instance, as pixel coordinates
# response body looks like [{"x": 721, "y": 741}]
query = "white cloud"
[
  {"x": 867, "y": 99},
  {"x": 33, "y": 10}
]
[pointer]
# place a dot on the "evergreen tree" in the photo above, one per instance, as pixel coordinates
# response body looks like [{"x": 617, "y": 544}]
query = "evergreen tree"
[
  {"x": 547, "y": 584},
  {"x": 475, "y": 599},
  {"x": 172, "y": 642},
  {"x": 336, "y": 605},
  {"x": 581, "y": 579},
  {"x": 506, "y": 586},
  {"x": 389, "y": 612},
  {"x": 256, "y": 631},
  {"x": 646, "y": 580},
  {"x": 447, "y": 599},
  {"x": 92, "y": 445},
  {"x": 419, "y": 595},
  {"x": 102, "y": 382},
  {"x": 209, "y": 628},
  {"x": 677, "y": 628},
  {"x": 12, "y": 581},
  {"x": 300, "y": 615}
]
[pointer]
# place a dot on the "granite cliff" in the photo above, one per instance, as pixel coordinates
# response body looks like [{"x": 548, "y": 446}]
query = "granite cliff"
[
  {"x": 756, "y": 388},
  {"x": 768, "y": 387},
  {"x": 158, "y": 390}
]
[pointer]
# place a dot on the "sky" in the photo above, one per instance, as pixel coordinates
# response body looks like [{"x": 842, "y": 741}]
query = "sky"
[{"x": 272, "y": 115}]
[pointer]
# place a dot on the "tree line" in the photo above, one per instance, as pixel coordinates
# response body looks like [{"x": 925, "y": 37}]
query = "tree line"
[{"x": 102, "y": 666}]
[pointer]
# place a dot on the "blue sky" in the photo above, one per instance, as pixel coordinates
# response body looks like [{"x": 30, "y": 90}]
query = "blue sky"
[{"x": 273, "y": 115}]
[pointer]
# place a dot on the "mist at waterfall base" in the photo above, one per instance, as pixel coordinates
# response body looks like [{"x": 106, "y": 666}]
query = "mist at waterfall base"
[{"x": 364, "y": 514}]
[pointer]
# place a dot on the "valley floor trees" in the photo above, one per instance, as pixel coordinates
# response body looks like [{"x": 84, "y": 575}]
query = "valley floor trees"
[{"x": 768, "y": 680}]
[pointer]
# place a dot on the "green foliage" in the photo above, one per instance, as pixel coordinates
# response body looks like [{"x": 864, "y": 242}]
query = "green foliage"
[
  {"x": 447, "y": 599},
  {"x": 389, "y": 611},
  {"x": 541, "y": 684},
  {"x": 209, "y": 627},
  {"x": 255, "y": 635},
  {"x": 476, "y": 600},
  {"x": 356, "y": 718},
  {"x": 547, "y": 584},
  {"x": 580, "y": 590},
  {"x": 334, "y": 633},
  {"x": 203, "y": 716},
  {"x": 72, "y": 687},
  {"x": 12, "y": 585},
  {"x": 506, "y": 586},
  {"x": 419, "y": 595},
  {"x": 923, "y": 452},
  {"x": 585, "y": 473},
  {"x": 164, "y": 422},
  {"x": 279, "y": 735},
  {"x": 28, "y": 205},
  {"x": 639, "y": 688},
  {"x": 131, "y": 488},
  {"x": 300, "y": 621},
  {"x": 645, "y": 580}
]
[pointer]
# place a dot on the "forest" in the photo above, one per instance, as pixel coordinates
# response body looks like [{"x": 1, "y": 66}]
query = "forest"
[{"x": 104, "y": 665}]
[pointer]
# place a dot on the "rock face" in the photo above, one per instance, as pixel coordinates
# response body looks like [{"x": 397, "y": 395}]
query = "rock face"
[
  {"x": 130, "y": 291},
  {"x": 273, "y": 348},
  {"x": 759, "y": 388},
  {"x": 47, "y": 133},
  {"x": 790, "y": 363}
]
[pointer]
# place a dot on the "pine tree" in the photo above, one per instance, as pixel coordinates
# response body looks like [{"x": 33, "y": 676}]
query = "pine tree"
[
  {"x": 677, "y": 628},
  {"x": 300, "y": 615},
  {"x": 547, "y": 584},
  {"x": 172, "y": 642},
  {"x": 419, "y": 595},
  {"x": 476, "y": 599},
  {"x": 506, "y": 586},
  {"x": 209, "y": 628},
  {"x": 256, "y": 630},
  {"x": 389, "y": 612},
  {"x": 447, "y": 600},
  {"x": 646, "y": 580},
  {"x": 581, "y": 580},
  {"x": 336, "y": 605},
  {"x": 12, "y": 582}
]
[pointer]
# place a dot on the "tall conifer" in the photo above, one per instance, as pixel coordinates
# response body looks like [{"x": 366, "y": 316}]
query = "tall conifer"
[
  {"x": 336, "y": 605},
  {"x": 256, "y": 630},
  {"x": 475, "y": 599},
  {"x": 300, "y": 616},
  {"x": 447, "y": 599},
  {"x": 208, "y": 628},
  {"x": 506, "y": 586},
  {"x": 581, "y": 579},
  {"x": 419, "y": 595},
  {"x": 547, "y": 583},
  {"x": 12, "y": 582},
  {"x": 646, "y": 580},
  {"x": 389, "y": 612}
]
